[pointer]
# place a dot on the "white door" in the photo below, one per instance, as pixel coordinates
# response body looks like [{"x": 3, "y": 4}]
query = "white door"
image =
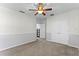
[{"x": 42, "y": 31}]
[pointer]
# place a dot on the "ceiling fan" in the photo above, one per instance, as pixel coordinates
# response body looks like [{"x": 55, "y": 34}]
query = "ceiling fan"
[{"x": 40, "y": 9}]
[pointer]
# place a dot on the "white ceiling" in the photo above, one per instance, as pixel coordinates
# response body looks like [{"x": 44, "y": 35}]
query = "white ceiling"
[{"x": 57, "y": 7}]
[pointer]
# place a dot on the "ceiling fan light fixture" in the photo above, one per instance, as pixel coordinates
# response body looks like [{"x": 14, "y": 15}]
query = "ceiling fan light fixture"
[
  {"x": 40, "y": 9},
  {"x": 40, "y": 12}
]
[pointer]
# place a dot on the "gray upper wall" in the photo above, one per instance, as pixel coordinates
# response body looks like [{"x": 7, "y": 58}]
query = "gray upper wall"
[{"x": 41, "y": 20}]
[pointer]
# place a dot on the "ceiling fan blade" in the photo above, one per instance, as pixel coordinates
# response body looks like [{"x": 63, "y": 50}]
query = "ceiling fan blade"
[
  {"x": 32, "y": 9},
  {"x": 43, "y": 13},
  {"x": 48, "y": 9},
  {"x": 36, "y": 13}
]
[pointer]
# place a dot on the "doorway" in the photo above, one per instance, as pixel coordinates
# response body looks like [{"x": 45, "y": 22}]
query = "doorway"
[
  {"x": 41, "y": 28},
  {"x": 38, "y": 30}
]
